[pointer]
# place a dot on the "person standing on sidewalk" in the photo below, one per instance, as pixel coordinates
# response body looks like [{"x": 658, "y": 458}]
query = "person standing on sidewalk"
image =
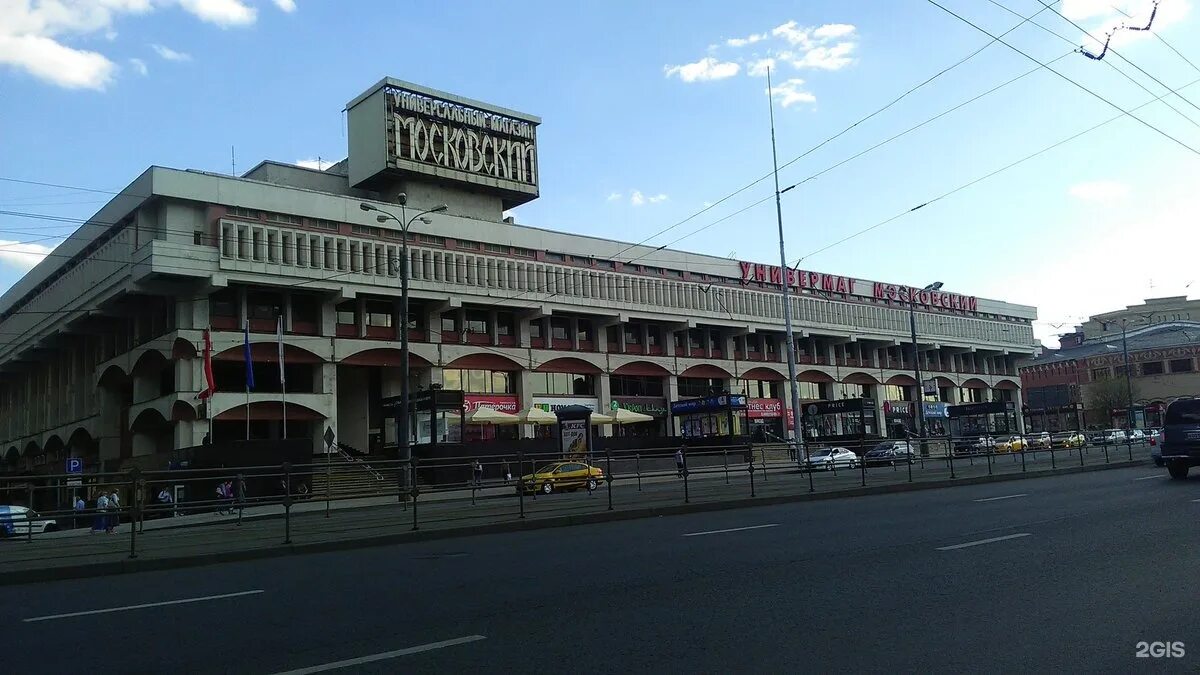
[
  {"x": 101, "y": 522},
  {"x": 507, "y": 473},
  {"x": 477, "y": 473},
  {"x": 679, "y": 462},
  {"x": 114, "y": 504},
  {"x": 239, "y": 492},
  {"x": 80, "y": 507}
]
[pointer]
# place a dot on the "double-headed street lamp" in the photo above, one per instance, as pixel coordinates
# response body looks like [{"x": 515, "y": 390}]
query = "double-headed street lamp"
[
  {"x": 403, "y": 449},
  {"x": 920, "y": 388}
]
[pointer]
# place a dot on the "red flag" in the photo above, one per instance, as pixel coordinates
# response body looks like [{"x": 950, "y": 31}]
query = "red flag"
[{"x": 210, "y": 385}]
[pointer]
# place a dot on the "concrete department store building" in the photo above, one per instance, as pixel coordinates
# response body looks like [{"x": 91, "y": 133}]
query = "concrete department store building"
[{"x": 101, "y": 356}]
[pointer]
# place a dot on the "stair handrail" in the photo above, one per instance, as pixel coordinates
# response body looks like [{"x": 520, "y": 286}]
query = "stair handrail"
[{"x": 349, "y": 458}]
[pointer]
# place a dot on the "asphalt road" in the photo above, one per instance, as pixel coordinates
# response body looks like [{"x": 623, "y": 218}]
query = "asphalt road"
[{"x": 1072, "y": 573}]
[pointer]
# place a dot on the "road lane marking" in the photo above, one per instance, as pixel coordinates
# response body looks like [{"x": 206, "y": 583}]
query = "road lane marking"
[
  {"x": 732, "y": 529},
  {"x": 996, "y": 499},
  {"x": 383, "y": 656},
  {"x": 1150, "y": 477},
  {"x": 126, "y": 608},
  {"x": 983, "y": 541}
]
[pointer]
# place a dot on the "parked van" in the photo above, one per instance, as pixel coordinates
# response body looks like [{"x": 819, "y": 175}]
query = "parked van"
[{"x": 1181, "y": 437}]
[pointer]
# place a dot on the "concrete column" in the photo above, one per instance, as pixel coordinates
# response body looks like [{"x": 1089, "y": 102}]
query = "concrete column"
[
  {"x": 329, "y": 316},
  {"x": 601, "y": 333},
  {"x": 603, "y": 400},
  {"x": 389, "y": 385},
  {"x": 493, "y": 335},
  {"x": 523, "y": 333},
  {"x": 328, "y": 372},
  {"x": 573, "y": 327},
  {"x": 360, "y": 309},
  {"x": 433, "y": 325},
  {"x": 525, "y": 398},
  {"x": 669, "y": 342},
  {"x": 1018, "y": 403},
  {"x": 672, "y": 392},
  {"x": 287, "y": 311}
]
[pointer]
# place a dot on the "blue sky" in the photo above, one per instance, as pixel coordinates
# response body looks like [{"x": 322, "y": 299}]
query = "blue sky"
[{"x": 653, "y": 110}]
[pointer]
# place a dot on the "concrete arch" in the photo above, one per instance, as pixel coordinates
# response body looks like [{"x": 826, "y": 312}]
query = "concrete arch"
[
  {"x": 269, "y": 410},
  {"x": 766, "y": 372},
  {"x": 182, "y": 349},
  {"x": 31, "y": 448},
  {"x": 943, "y": 381},
  {"x": 642, "y": 368},
  {"x": 860, "y": 378},
  {"x": 706, "y": 370},
  {"x": 54, "y": 443},
  {"x": 485, "y": 361},
  {"x": 183, "y": 411},
  {"x": 148, "y": 419},
  {"x": 570, "y": 364},
  {"x": 901, "y": 380},
  {"x": 974, "y": 383},
  {"x": 150, "y": 362},
  {"x": 113, "y": 377},
  {"x": 80, "y": 439},
  {"x": 268, "y": 352},
  {"x": 814, "y": 376},
  {"x": 1006, "y": 384},
  {"x": 12, "y": 456},
  {"x": 382, "y": 357}
]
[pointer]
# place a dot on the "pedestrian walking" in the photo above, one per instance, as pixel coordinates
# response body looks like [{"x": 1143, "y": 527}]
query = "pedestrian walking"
[
  {"x": 165, "y": 498},
  {"x": 507, "y": 473},
  {"x": 679, "y": 462},
  {"x": 80, "y": 507},
  {"x": 239, "y": 493},
  {"x": 221, "y": 498},
  {"x": 101, "y": 522},
  {"x": 477, "y": 472}
]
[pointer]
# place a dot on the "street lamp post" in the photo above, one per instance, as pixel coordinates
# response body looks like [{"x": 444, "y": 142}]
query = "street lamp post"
[
  {"x": 1128, "y": 375},
  {"x": 403, "y": 449},
  {"x": 920, "y": 389}
]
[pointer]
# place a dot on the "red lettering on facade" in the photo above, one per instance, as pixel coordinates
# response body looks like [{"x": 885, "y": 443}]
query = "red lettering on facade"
[
  {"x": 877, "y": 290},
  {"x": 827, "y": 283},
  {"x": 843, "y": 285},
  {"x": 776, "y": 276},
  {"x": 747, "y": 272},
  {"x": 760, "y": 272}
]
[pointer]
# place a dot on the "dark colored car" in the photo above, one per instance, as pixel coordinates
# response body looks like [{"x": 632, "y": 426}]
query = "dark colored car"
[
  {"x": 889, "y": 453},
  {"x": 1181, "y": 437}
]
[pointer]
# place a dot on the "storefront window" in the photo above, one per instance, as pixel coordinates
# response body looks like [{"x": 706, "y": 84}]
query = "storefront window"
[
  {"x": 478, "y": 381},
  {"x": 559, "y": 329},
  {"x": 305, "y": 309},
  {"x": 562, "y": 384},
  {"x": 845, "y": 390},
  {"x": 653, "y": 336},
  {"x": 535, "y": 329},
  {"x": 449, "y": 323},
  {"x": 633, "y": 334},
  {"x": 896, "y": 392},
  {"x": 966, "y": 395},
  {"x": 810, "y": 391},
  {"x": 224, "y": 305},
  {"x": 697, "y": 387},
  {"x": 757, "y": 388},
  {"x": 264, "y": 306},
  {"x": 636, "y": 385},
  {"x": 584, "y": 332},
  {"x": 346, "y": 314}
]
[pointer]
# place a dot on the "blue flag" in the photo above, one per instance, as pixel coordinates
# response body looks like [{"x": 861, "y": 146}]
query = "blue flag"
[{"x": 249, "y": 362}]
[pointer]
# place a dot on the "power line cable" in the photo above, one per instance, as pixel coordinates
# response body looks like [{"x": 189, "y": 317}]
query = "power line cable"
[
  {"x": 1108, "y": 63},
  {"x": 1119, "y": 55},
  {"x": 985, "y": 176},
  {"x": 1064, "y": 77}
]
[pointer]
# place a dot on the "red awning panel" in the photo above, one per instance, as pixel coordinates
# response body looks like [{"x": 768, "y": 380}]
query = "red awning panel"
[
  {"x": 706, "y": 370},
  {"x": 764, "y": 374},
  {"x": 643, "y": 368},
  {"x": 568, "y": 365}
]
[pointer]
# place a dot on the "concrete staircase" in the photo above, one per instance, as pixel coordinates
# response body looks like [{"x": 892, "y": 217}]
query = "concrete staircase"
[{"x": 351, "y": 477}]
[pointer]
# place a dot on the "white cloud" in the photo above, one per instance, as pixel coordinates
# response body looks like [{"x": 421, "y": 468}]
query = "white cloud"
[
  {"x": 170, "y": 54},
  {"x": 140, "y": 66},
  {"x": 792, "y": 91},
  {"x": 660, "y": 197},
  {"x": 748, "y": 40},
  {"x": 821, "y": 58},
  {"x": 707, "y": 68},
  {"x": 1099, "y": 191},
  {"x": 56, "y": 63},
  {"x": 833, "y": 30},
  {"x": 36, "y": 36},
  {"x": 315, "y": 163},
  {"x": 22, "y": 256},
  {"x": 286, "y": 5},
  {"x": 759, "y": 68},
  {"x": 636, "y": 198},
  {"x": 224, "y": 13},
  {"x": 614, "y": 196}
]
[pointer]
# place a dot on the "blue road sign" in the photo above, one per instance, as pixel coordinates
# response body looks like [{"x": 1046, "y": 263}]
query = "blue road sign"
[{"x": 74, "y": 465}]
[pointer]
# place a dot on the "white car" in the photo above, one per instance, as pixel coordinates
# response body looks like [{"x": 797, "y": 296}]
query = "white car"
[
  {"x": 831, "y": 458},
  {"x": 1137, "y": 435},
  {"x": 1041, "y": 440},
  {"x": 1113, "y": 436},
  {"x": 16, "y": 521}
]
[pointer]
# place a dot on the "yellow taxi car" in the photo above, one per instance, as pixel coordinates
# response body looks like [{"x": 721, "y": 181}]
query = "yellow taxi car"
[
  {"x": 1010, "y": 444},
  {"x": 562, "y": 477},
  {"x": 1069, "y": 439}
]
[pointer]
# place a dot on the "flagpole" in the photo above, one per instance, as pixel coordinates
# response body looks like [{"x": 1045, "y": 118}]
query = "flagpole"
[
  {"x": 249, "y": 374},
  {"x": 282, "y": 378}
]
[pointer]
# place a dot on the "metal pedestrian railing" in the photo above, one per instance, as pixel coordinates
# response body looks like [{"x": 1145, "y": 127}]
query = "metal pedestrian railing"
[{"x": 207, "y": 511}]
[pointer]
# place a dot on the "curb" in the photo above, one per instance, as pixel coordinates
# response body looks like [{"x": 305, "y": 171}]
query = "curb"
[{"x": 135, "y": 565}]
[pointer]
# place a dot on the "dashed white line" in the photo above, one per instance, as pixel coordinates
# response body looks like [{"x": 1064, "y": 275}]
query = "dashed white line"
[
  {"x": 732, "y": 529},
  {"x": 981, "y": 542},
  {"x": 1150, "y": 477},
  {"x": 384, "y": 655},
  {"x": 126, "y": 608},
  {"x": 996, "y": 499}
]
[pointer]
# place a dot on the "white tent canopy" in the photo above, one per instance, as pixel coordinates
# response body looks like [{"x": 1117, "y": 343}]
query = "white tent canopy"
[
  {"x": 485, "y": 415},
  {"x": 623, "y": 416},
  {"x": 536, "y": 415}
]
